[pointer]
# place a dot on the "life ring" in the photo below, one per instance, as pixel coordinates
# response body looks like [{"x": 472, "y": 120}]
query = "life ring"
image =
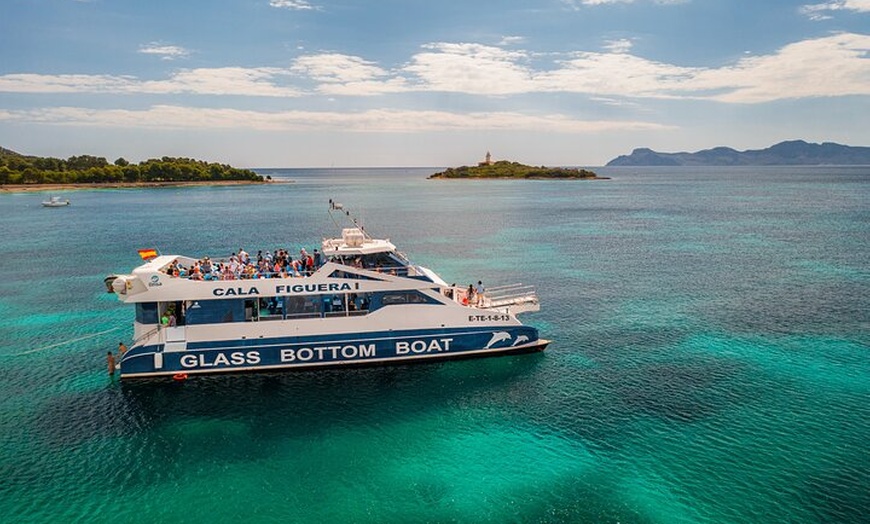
[{"x": 179, "y": 376}]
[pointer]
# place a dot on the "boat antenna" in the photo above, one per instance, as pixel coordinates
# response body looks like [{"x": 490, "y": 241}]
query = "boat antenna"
[{"x": 338, "y": 207}]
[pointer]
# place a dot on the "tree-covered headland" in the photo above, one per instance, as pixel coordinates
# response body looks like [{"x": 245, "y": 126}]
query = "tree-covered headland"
[{"x": 85, "y": 169}]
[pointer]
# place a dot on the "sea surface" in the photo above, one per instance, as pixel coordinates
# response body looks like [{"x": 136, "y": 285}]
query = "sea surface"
[{"x": 710, "y": 360}]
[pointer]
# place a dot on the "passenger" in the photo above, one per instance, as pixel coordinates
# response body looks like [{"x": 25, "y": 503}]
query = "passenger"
[
  {"x": 110, "y": 360},
  {"x": 478, "y": 292},
  {"x": 318, "y": 259},
  {"x": 469, "y": 295},
  {"x": 121, "y": 349},
  {"x": 172, "y": 320},
  {"x": 164, "y": 320},
  {"x": 305, "y": 264}
]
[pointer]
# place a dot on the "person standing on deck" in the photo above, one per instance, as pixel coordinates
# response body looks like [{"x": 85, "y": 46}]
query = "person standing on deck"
[{"x": 478, "y": 292}]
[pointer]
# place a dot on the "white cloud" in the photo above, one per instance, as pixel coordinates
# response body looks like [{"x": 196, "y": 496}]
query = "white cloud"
[
  {"x": 224, "y": 81},
  {"x": 376, "y": 120},
  {"x": 619, "y": 74},
  {"x": 623, "y": 45},
  {"x": 471, "y": 68},
  {"x": 296, "y": 5},
  {"x": 205, "y": 81},
  {"x": 166, "y": 52},
  {"x": 823, "y": 11},
  {"x": 834, "y": 65},
  {"x": 337, "y": 68},
  {"x": 340, "y": 74},
  {"x": 34, "y": 83},
  {"x": 512, "y": 40}
]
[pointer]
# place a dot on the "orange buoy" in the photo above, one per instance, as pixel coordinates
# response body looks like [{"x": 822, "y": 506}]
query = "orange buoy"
[{"x": 179, "y": 376}]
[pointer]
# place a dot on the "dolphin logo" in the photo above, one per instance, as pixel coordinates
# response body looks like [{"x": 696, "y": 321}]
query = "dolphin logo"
[
  {"x": 520, "y": 339},
  {"x": 497, "y": 337}
]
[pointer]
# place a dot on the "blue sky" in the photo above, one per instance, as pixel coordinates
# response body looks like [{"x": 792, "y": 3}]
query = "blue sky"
[{"x": 345, "y": 83}]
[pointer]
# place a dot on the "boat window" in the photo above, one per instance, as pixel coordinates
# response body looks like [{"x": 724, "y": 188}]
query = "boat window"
[
  {"x": 343, "y": 274},
  {"x": 271, "y": 308},
  {"x": 405, "y": 297},
  {"x": 303, "y": 306},
  {"x": 384, "y": 263},
  {"x": 335, "y": 305},
  {"x": 215, "y": 311},
  {"x": 146, "y": 312},
  {"x": 359, "y": 303}
]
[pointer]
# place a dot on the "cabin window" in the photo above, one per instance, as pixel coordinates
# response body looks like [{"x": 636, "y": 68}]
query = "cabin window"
[
  {"x": 334, "y": 305},
  {"x": 404, "y": 297},
  {"x": 303, "y": 306},
  {"x": 215, "y": 311},
  {"x": 146, "y": 312},
  {"x": 271, "y": 308},
  {"x": 344, "y": 274}
]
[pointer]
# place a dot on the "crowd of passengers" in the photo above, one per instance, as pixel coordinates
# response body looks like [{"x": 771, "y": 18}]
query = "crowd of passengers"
[{"x": 241, "y": 266}]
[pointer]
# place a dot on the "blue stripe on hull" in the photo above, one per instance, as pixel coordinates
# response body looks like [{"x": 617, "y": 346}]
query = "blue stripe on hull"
[{"x": 331, "y": 351}]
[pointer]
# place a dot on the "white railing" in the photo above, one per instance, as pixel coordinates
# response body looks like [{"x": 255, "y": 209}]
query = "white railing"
[
  {"x": 514, "y": 298},
  {"x": 513, "y": 294}
]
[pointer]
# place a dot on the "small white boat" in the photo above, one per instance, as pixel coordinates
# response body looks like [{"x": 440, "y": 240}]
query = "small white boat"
[{"x": 55, "y": 201}]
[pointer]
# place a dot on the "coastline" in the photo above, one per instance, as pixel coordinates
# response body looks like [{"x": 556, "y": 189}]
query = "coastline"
[{"x": 28, "y": 188}]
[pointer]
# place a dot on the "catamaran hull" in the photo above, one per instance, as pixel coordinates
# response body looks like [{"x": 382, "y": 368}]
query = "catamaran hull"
[{"x": 330, "y": 351}]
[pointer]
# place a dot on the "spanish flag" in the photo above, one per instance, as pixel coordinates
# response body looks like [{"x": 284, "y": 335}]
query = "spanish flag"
[{"x": 148, "y": 254}]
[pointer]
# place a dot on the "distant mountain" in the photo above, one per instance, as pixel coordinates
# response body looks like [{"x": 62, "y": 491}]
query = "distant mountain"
[{"x": 793, "y": 152}]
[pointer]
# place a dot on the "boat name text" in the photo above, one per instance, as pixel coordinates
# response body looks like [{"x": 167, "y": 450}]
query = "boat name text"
[
  {"x": 236, "y": 358},
  {"x": 328, "y": 353},
  {"x": 421, "y": 346},
  {"x": 235, "y": 291},
  {"x": 314, "y": 353},
  {"x": 315, "y": 288}
]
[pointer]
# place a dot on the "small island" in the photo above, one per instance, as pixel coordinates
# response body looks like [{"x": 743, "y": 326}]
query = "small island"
[
  {"x": 506, "y": 169},
  {"x": 21, "y": 172}
]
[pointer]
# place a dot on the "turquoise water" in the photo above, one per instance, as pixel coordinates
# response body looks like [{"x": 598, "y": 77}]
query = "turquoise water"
[{"x": 709, "y": 361}]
